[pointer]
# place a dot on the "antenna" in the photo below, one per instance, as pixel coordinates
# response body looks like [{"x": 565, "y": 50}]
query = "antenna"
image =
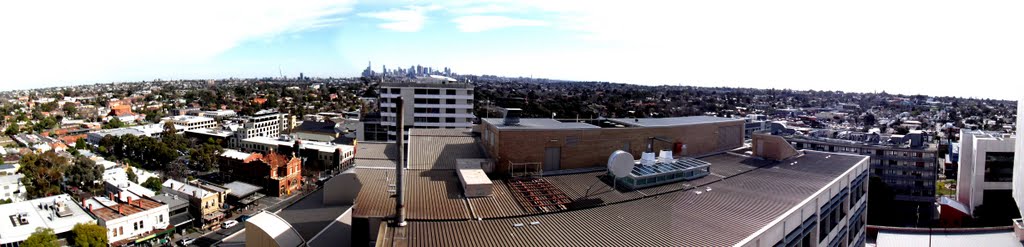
[{"x": 279, "y": 72}]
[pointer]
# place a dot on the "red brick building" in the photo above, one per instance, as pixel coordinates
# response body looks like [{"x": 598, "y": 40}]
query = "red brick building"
[{"x": 277, "y": 174}]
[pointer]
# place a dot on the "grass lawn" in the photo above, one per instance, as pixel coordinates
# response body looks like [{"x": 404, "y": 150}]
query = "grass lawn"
[{"x": 940, "y": 187}]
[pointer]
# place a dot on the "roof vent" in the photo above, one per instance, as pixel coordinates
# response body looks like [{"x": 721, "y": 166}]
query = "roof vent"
[{"x": 512, "y": 116}]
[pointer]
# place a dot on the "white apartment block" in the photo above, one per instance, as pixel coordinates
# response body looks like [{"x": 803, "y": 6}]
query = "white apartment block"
[
  {"x": 59, "y": 212},
  {"x": 186, "y": 122},
  {"x": 436, "y": 103},
  {"x": 986, "y": 167},
  {"x": 265, "y": 123},
  {"x": 12, "y": 188}
]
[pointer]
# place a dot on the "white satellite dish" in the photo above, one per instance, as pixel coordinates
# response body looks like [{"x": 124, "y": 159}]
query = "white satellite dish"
[{"x": 620, "y": 163}]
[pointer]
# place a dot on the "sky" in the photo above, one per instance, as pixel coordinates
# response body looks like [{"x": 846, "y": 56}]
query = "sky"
[{"x": 935, "y": 47}]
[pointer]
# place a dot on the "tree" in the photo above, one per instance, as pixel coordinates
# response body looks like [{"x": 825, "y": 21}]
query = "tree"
[
  {"x": 113, "y": 124},
  {"x": 153, "y": 183},
  {"x": 43, "y": 173},
  {"x": 12, "y": 129},
  {"x": 80, "y": 143},
  {"x": 89, "y": 235},
  {"x": 42, "y": 237},
  {"x": 131, "y": 175},
  {"x": 83, "y": 174}
]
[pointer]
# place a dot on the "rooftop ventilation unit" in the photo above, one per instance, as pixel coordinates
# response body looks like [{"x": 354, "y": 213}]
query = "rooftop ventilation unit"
[{"x": 512, "y": 116}]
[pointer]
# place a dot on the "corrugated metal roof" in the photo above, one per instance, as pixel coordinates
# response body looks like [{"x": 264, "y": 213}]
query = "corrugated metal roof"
[
  {"x": 439, "y": 148},
  {"x": 433, "y": 195},
  {"x": 726, "y": 210},
  {"x": 374, "y": 200}
]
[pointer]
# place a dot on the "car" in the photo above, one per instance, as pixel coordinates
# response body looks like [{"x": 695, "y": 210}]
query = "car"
[
  {"x": 243, "y": 218},
  {"x": 187, "y": 241},
  {"x": 228, "y": 224}
]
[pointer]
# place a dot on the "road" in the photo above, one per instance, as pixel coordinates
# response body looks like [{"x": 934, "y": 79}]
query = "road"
[{"x": 270, "y": 204}]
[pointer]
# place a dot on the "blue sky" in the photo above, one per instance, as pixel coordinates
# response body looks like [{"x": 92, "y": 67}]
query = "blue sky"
[{"x": 928, "y": 47}]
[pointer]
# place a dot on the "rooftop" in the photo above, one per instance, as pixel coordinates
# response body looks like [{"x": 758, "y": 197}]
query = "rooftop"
[
  {"x": 550, "y": 123},
  {"x": 234, "y": 154},
  {"x": 719, "y": 214},
  {"x": 318, "y": 127},
  {"x": 20, "y": 219},
  {"x": 241, "y": 189},
  {"x": 211, "y": 132},
  {"x": 107, "y": 209},
  {"x": 310, "y": 216},
  {"x": 947, "y": 237},
  {"x": 188, "y": 119},
  {"x": 319, "y": 146},
  {"x": 187, "y": 189},
  {"x": 673, "y": 121}
]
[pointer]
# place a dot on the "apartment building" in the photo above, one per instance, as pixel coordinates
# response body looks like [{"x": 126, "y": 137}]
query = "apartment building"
[
  {"x": 11, "y": 188},
  {"x": 318, "y": 157},
  {"x": 906, "y": 163},
  {"x": 20, "y": 219},
  {"x": 433, "y": 102},
  {"x": 186, "y": 122},
  {"x": 264, "y": 123},
  {"x": 986, "y": 168}
]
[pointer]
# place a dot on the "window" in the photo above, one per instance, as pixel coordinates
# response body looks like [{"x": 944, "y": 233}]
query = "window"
[
  {"x": 449, "y": 110},
  {"x": 136, "y": 225},
  {"x": 998, "y": 166},
  {"x": 396, "y": 91},
  {"x": 449, "y": 120},
  {"x": 420, "y": 91},
  {"x": 449, "y": 92},
  {"x": 449, "y": 101}
]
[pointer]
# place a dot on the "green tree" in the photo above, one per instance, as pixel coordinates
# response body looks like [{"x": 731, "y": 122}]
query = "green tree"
[
  {"x": 89, "y": 235},
  {"x": 83, "y": 174},
  {"x": 42, "y": 237},
  {"x": 80, "y": 143},
  {"x": 131, "y": 175},
  {"x": 113, "y": 124},
  {"x": 43, "y": 173},
  {"x": 154, "y": 183},
  {"x": 12, "y": 129}
]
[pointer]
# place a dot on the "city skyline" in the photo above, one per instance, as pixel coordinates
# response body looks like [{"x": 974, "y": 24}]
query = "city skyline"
[{"x": 912, "y": 47}]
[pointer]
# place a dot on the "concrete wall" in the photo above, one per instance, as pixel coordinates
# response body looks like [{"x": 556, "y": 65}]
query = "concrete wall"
[
  {"x": 1018, "y": 161},
  {"x": 971, "y": 183},
  {"x": 772, "y": 147},
  {"x": 580, "y": 148}
]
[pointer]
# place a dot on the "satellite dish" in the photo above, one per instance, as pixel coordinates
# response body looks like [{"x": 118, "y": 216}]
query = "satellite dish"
[{"x": 620, "y": 163}]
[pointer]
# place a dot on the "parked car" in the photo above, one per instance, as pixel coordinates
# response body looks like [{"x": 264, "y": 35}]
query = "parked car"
[
  {"x": 243, "y": 218},
  {"x": 187, "y": 241},
  {"x": 228, "y": 224}
]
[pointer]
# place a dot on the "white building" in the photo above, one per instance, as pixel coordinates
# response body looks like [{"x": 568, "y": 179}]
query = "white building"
[
  {"x": 187, "y": 122},
  {"x": 11, "y": 188},
  {"x": 20, "y": 219},
  {"x": 1018, "y": 167},
  {"x": 986, "y": 167},
  {"x": 265, "y": 123},
  {"x": 324, "y": 152},
  {"x": 435, "y": 102},
  {"x": 129, "y": 219}
]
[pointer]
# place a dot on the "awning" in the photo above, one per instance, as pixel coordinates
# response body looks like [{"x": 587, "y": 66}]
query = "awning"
[
  {"x": 213, "y": 216},
  {"x": 144, "y": 239}
]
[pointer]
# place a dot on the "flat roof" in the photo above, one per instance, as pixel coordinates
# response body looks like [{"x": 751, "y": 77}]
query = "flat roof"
[
  {"x": 539, "y": 123},
  {"x": 673, "y": 121},
  {"x": 234, "y": 154},
  {"x": 211, "y": 132},
  {"x": 939, "y": 238},
  {"x": 319, "y": 146},
  {"x": 665, "y": 215},
  {"x": 37, "y": 214},
  {"x": 241, "y": 189}
]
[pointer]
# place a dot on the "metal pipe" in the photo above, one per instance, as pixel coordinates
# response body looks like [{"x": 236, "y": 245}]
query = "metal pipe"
[{"x": 400, "y": 141}]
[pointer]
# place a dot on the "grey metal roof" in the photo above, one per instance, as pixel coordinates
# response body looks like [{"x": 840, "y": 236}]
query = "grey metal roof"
[
  {"x": 672, "y": 121},
  {"x": 721, "y": 216},
  {"x": 171, "y": 201},
  {"x": 309, "y": 216},
  {"x": 241, "y": 189},
  {"x": 539, "y": 123}
]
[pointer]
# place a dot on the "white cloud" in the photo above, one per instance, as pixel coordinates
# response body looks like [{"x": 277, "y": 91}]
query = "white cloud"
[
  {"x": 408, "y": 19},
  {"x": 479, "y": 23},
  {"x": 82, "y": 41}
]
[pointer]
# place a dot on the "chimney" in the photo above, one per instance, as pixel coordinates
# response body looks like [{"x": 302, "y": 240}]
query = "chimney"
[
  {"x": 129, "y": 200},
  {"x": 400, "y": 141},
  {"x": 119, "y": 209},
  {"x": 512, "y": 116},
  {"x": 90, "y": 207},
  {"x": 194, "y": 193}
]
